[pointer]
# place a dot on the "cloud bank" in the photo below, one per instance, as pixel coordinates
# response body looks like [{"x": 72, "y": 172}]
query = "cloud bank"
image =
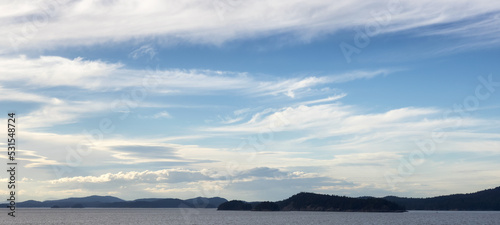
[{"x": 52, "y": 23}]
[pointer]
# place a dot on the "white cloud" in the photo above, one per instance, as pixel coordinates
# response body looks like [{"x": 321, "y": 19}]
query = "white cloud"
[
  {"x": 33, "y": 160},
  {"x": 98, "y": 76},
  {"x": 53, "y": 71},
  {"x": 63, "y": 112},
  {"x": 143, "y": 50},
  {"x": 229, "y": 120},
  {"x": 160, "y": 115},
  {"x": 324, "y": 100},
  {"x": 143, "y": 176},
  {"x": 196, "y": 21},
  {"x": 22, "y": 96},
  {"x": 391, "y": 131},
  {"x": 291, "y": 86},
  {"x": 355, "y": 75},
  {"x": 179, "y": 175},
  {"x": 32, "y": 74},
  {"x": 241, "y": 111}
]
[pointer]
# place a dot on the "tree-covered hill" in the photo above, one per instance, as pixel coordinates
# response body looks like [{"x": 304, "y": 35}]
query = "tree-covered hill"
[
  {"x": 482, "y": 200},
  {"x": 318, "y": 202}
]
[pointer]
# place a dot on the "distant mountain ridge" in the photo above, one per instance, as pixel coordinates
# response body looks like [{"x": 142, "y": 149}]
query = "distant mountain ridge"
[
  {"x": 89, "y": 201},
  {"x": 95, "y": 201},
  {"x": 198, "y": 202}
]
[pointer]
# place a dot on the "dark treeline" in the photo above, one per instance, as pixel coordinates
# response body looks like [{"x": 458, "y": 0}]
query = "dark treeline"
[{"x": 483, "y": 200}]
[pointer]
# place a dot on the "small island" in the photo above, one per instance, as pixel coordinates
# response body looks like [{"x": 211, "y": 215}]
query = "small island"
[{"x": 318, "y": 202}]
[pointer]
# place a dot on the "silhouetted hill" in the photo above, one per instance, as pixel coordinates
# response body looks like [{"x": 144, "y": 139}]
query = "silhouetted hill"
[
  {"x": 30, "y": 203},
  {"x": 90, "y": 201},
  {"x": 318, "y": 202},
  {"x": 482, "y": 200}
]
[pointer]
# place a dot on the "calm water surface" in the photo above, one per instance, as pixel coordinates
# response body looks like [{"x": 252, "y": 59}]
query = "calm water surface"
[{"x": 211, "y": 216}]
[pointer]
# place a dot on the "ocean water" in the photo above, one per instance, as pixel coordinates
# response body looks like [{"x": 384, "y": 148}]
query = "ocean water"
[{"x": 211, "y": 216}]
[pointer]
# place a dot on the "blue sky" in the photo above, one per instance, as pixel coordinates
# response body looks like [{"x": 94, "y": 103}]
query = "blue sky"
[{"x": 255, "y": 101}]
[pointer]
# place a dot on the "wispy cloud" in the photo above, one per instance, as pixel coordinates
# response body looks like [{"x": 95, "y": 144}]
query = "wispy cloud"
[
  {"x": 143, "y": 50},
  {"x": 355, "y": 75},
  {"x": 59, "y": 112},
  {"x": 290, "y": 87},
  {"x": 353, "y": 129},
  {"x": 160, "y": 115},
  {"x": 324, "y": 100},
  {"x": 113, "y": 79},
  {"x": 15, "y": 95},
  {"x": 165, "y": 19},
  {"x": 54, "y": 71}
]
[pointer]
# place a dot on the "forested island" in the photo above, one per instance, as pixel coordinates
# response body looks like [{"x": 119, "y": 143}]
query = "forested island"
[{"x": 318, "y": 202}]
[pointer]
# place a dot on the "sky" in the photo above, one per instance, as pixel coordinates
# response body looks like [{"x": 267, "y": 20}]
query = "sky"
[{"x": 251, "y": 100}]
